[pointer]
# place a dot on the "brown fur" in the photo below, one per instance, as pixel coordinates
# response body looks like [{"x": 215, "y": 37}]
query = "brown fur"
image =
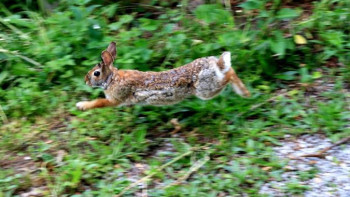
[{"x": 204, "y": 77}]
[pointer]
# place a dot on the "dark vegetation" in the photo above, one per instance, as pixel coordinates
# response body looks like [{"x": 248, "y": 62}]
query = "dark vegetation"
[{"x": 46, "y": 48}]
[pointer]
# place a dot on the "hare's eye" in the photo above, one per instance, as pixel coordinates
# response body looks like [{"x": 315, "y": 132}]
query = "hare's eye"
[{"x": 97, "y": 73}]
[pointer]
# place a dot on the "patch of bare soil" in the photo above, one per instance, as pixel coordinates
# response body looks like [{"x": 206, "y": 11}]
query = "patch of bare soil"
[
  {"x": 332, "y": 177},
  {"x": 18, "y": 162},
  {"x": 28, "y": 169}
]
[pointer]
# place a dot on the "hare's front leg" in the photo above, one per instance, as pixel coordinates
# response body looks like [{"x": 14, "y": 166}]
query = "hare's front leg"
[{"x": 85, "y": 105}]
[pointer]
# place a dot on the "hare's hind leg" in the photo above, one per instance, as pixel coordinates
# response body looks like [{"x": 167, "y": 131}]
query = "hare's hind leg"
[
  {"x": 208, "y": 87},
  {"x": 236, "y": 82},
  {"x": 98, "y": 103}
]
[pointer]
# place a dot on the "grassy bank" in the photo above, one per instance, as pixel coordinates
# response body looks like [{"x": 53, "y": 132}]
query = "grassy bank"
[{"x": 293, "y": 57}]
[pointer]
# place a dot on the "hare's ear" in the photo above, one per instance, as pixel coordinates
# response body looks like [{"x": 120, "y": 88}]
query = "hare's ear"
[
  {"x": 107, "y": 58},
  {"x": 112, "y": 49}
]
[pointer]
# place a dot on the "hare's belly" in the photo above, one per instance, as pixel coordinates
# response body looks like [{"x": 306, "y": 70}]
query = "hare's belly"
[{"x": 161, "y": 97}]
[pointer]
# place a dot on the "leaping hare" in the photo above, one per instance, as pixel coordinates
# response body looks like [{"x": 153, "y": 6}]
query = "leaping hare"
[{"x": 204, "y": 77}]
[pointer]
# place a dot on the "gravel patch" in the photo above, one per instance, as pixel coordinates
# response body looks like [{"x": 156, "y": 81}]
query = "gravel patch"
[{"x": 333, "y": 172}]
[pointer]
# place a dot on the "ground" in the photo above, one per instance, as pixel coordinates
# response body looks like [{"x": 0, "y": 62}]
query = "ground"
[
  {"x": 311, "y": 176},
  {"x": 51, "y": 159},
  {"x": 293, "y": 57}
]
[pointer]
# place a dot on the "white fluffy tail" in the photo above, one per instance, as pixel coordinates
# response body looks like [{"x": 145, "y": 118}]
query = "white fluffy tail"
[{"x": 224, "y": 62}]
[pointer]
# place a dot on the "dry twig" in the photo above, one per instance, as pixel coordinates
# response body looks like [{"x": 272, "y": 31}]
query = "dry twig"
[
  {"x": 177, "y": 126},
  {"x": 3, "y": 116},
  {"x": 261, "y": 104},
  {"x": 193, "y": 168},
  {"x": 132, "y": 185},
  {"x": 321, "y": 153},
  {"x": 25, "y": 58}
]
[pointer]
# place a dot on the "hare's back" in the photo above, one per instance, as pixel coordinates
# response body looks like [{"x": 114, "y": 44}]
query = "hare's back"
[
  {"x": 167, "y": 87},
  {"x": 172, "y": 86},
  {"x": 178, "y": 77}
]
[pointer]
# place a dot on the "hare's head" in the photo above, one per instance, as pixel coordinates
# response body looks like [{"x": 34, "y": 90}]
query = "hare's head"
[{"x": 101, "y": 74}]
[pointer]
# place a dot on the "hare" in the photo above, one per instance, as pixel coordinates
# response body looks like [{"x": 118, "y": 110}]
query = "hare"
[{"x": 204, "y": 77}]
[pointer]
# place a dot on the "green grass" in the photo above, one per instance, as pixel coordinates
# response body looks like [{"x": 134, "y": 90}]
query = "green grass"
[
  {"x": 102, "y": 148},
  {"x": 224, "y": 145}
]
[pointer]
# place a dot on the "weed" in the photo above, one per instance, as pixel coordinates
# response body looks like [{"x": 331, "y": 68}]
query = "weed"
[{"x": 47, "y": 48}]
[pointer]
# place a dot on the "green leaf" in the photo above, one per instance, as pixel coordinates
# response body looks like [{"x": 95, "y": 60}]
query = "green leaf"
[
  {"x": 278, "y": 43},
  {"x": 124, "y": 19},
  {"x": 287, "y": 13},
  {"x": 77, "y": 13},
  {"x": 80, "y": 2},
  {"x": 316, "y": 75},
  {"x": 58, "y": 64},
  {"x": 304, "y": 75},
  {"x": 3, "y": 76},
  {"x": 278, "y": 46},
  {"x": 149, "y": 24},
  {"x": 289, "y": 75},
  {"x": 252, "y": 4},
  {"x": 333, "y": 37},
  {"x": 175, "y": 41},
  {"x": 233, "y": 38},
  {"x": 299, "y": 39},
  {"x": 17, "y": 20},
  {"x": 214, "y": 14},
  {"x": 110, "y": 10}
]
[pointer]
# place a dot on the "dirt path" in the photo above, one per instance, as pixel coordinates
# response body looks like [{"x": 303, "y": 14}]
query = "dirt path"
[{"x": 332, "y": 173}]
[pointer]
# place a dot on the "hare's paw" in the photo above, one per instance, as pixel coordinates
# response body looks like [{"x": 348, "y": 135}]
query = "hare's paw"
[{"x": 83, "y": 105}]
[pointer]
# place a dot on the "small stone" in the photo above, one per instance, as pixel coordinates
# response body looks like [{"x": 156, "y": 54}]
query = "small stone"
[
  {"x": 48, "y": 141},
  {"x": 329, "y": 158},
  {"x": 302, "y": 145},
  {"x": 32, "y": 193},
  {"x": 267, "y": 168},
  {"x": 140, "y": 166},
  {"x": 289, "y": 168},
  {"x": 317, "y": 180},
  {"x": 313, "y": 162},
  {"x": 342, "y": 178},
  {"x": 60, "y": 156},
  {"x": 285, "y": 151},
  {"x": 303, "y": 167},
  {"x": 346, "y": 187},
  {"x": 333, "y": 172},
  {"x": 344, "y": 165}
]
